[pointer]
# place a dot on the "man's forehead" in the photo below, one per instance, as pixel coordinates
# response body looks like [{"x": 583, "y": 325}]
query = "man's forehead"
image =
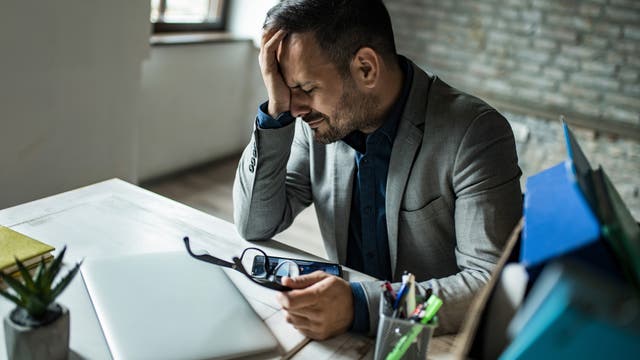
[
  {"x": 295, "y": 44},
  {"x": 300, "y": 56}
]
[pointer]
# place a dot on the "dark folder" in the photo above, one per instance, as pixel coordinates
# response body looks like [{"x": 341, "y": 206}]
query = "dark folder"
[{"x": 619, "y": 228}]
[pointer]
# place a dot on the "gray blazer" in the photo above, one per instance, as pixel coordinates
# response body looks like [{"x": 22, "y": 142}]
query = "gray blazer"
[{"x": 453, "y": 192}]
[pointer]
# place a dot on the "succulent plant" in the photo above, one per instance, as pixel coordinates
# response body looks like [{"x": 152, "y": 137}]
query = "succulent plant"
[{"x": 37, "y": 294}]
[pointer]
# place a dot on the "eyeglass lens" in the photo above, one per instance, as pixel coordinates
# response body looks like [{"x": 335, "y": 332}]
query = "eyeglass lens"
[
  {"x": 259, "y": 265},
  {"x": 286, "y": 268}
]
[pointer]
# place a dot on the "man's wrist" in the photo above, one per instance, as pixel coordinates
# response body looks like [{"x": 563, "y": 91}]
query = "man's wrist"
[
  {"x": 266, "y": 121},
  {"x": 276, "y": 110}
]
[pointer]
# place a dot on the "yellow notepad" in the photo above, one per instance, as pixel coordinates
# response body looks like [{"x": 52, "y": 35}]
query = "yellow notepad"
[{"x": 13, "y": 244}]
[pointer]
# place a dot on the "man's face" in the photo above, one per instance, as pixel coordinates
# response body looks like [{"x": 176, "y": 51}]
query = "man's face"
[{"x": 332, "y": 106}]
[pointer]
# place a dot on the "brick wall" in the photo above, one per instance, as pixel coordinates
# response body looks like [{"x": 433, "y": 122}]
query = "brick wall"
[
  {"x": 535, "y": 60},
  {"x": 540, "y": 144},
  {"x": 577, "y": 58}
]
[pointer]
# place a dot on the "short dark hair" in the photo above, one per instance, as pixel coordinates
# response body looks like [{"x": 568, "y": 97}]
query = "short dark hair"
[{"x": 341, "y": 27}]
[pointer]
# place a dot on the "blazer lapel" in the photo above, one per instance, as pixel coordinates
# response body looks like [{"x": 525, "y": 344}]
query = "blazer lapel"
[
  {"x": 407, "y": 142},
  {"x": 343, "y": 172}
]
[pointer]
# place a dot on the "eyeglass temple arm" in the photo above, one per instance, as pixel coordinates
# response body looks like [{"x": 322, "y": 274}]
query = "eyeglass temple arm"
[
  {"x": 237, "y": 265},
  {"x": 206, "y": 257}
]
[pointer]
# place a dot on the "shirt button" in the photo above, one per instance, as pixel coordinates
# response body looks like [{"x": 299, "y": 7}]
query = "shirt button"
[
  {"x": 365, "y": 161},
  {"x": 367, "y": 210},
  {"x": 369, "y": 254}
]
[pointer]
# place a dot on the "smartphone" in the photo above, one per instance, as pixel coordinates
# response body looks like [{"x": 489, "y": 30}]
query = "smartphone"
[{"x": 306, "y": 266}]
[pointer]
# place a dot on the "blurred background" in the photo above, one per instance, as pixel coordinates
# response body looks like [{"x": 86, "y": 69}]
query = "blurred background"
[{"x": 163, "y": 93}]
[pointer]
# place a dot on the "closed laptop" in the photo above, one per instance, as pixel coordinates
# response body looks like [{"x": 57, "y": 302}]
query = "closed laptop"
[{"x": 169, "y": 306}]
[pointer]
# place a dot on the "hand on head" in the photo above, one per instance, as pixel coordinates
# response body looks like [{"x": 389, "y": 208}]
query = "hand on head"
[
  {"x": 319, "y": 306},
  {"x": 277, "y": 89}
]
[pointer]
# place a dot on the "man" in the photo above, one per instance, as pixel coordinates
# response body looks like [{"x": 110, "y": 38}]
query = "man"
[{"x": 406, "y": 173}]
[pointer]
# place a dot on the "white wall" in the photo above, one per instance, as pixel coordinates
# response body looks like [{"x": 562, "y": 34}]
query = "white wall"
[
  {"x": 199, "y": 101},
  {"x": 84, "y": 98},
  {"x": 69, "y": 79},
  {"x": 247, "y": 16}
]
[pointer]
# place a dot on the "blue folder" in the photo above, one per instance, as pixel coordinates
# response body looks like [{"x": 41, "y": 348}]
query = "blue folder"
[
  {"x": 559, "y": 214},
  {"x": 557, "y": 217}
]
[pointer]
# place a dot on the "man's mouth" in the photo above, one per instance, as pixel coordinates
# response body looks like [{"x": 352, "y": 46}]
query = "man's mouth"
[{"x": 314, "y": 122}]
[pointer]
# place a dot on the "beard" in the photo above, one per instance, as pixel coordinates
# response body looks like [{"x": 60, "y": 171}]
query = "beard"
[{"x": 354, "y": 111}]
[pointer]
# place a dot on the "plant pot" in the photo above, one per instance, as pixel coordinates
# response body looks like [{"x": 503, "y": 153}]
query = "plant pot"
[{"x": 47, "y": 341}]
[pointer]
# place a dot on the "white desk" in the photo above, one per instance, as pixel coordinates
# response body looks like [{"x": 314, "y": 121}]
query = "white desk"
[{"x": 117, "y": 218}]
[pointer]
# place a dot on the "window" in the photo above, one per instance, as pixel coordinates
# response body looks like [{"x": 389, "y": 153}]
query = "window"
[{"x": 187, "y": 15}]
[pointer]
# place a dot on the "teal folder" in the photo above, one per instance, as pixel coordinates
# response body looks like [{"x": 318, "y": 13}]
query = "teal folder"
[{"x": 573, "y": 312}]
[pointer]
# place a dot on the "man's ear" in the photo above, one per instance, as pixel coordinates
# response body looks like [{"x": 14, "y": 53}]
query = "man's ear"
[{"x": 365, "y": 67}]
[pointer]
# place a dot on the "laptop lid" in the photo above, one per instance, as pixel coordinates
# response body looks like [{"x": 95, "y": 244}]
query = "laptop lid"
[{"x": 169, "y": 306}]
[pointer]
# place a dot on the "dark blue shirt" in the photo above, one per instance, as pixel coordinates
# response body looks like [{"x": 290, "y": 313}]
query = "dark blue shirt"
[
  {"x": 368, "y": 243},
  {"x": 368, "y": 248}
]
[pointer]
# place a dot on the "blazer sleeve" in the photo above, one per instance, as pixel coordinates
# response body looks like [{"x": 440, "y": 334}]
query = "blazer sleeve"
[
  {"x": 272, "y": 181},
  {"x": 488, "y": 205}
]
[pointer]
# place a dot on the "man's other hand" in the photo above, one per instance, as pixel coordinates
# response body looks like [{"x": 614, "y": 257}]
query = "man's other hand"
[
  {"x": 319, "y": 306},
  {"x": 277, "y": 89}
]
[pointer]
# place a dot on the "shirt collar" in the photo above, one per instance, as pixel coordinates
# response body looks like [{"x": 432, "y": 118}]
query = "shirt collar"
[
  {"x": 391, "y": 125},
  {"x": 357, "y": 139}
]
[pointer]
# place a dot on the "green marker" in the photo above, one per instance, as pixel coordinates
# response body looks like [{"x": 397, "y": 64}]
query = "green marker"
[{"x": 432, "y": 306}]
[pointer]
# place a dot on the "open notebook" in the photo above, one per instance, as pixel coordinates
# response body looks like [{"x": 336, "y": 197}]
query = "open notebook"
[{"x": 168, "y": 306}]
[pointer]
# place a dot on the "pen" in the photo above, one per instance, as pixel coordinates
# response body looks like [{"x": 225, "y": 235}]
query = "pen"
[
  {"x": 402, "y": 293},
  {"x": 388, "y": 298},
  {"x": 405, "y": 277},
  {"x": 415, "y": 316},
  {"x": 410, "y": 304},
  {"x": 431, "y": 308},
  {"x": 387, "y": 285},
  {"x": 427, "y": 293}
]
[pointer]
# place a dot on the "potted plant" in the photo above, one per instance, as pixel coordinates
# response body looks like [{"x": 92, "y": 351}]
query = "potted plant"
[{"x": 38, "y": 328}]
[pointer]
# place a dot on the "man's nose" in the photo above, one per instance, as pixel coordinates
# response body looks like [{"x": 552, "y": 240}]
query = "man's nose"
[{"x": 299, "y": 104}]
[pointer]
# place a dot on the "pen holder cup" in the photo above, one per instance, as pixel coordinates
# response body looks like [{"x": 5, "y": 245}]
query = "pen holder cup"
[{"x": 393, "y": 331}]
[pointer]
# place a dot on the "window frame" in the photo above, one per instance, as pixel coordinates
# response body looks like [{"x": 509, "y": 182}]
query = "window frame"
[{"x": 172, "y": 27}]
